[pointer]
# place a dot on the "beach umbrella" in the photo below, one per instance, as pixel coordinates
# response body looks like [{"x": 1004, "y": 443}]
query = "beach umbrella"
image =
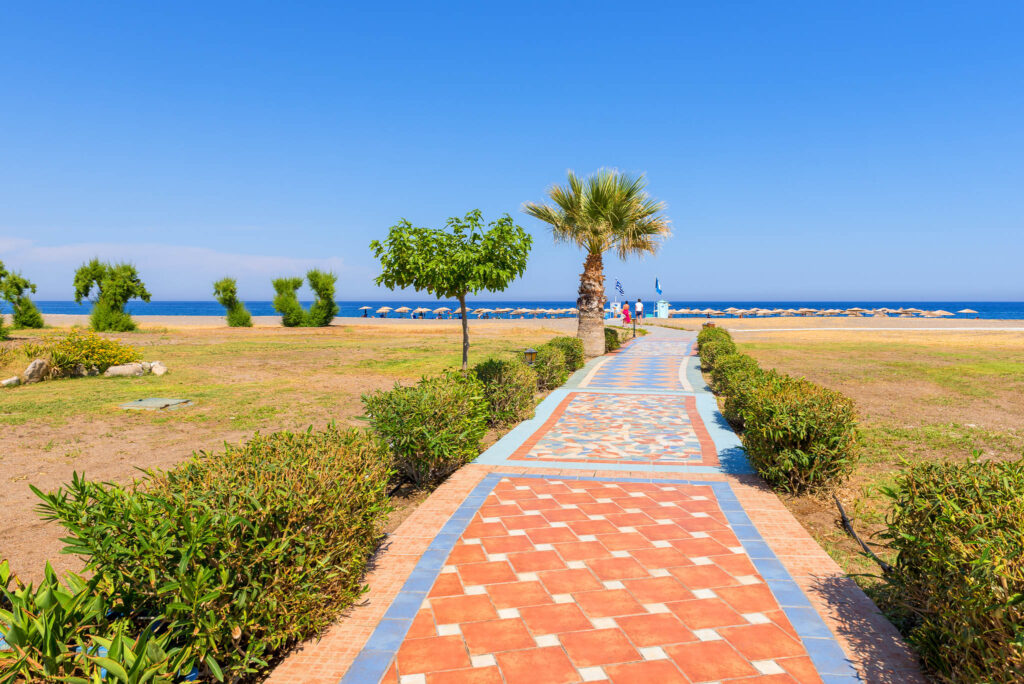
[
  {"x": 384, "y": 310},
  {"x": 364, "y": 308},
  {"x": 941, "y": 312},
  {"x": 967, "y": 311},
  {"x": 403, "y": 309}
]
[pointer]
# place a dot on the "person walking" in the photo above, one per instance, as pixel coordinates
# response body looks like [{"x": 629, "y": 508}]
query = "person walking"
[
  {"x": 639, "y": 310},
  {"x": 626, "y": 318}
]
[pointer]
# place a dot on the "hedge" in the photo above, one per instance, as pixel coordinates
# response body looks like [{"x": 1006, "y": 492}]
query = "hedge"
[
  {"x": 431, "y": 428},
  {"x": 958, "y": 530},
  {"x": 572, "y": 348},
  {"x": 510, "y": 387},
  {"x": 612, "y": 341},
  {"x": 550, "y": 366},
  {"x": 236, "y": 555}
]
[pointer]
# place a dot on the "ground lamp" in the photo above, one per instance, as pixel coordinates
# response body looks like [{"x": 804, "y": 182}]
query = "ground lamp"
[{"x": 530, "y": 355}]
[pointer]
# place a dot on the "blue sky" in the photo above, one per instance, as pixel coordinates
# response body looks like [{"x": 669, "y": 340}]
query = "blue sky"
[{"x": 805, "y": 150}]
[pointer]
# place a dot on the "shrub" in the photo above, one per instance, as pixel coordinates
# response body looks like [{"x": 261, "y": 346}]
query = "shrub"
[
  {"x": 323, "y": 310},
  {"x": 238, "y": 554},
  {"x": 572, "y": 347},
  {"x": 509, "y": 387},
  {"x": 731, "y": 369},
  {"x": 712, "y": 349},
  {"x": 13, "y": 289},
  {"x": 712, "y": 333},
  {"x": 81, "y": 350},
  {"x": 611, "y": 340},
  {"x": 799, "y": 436},
  {"x": 550, "y": 367},
  {"x": 3, "y": 330},
  {"x": 114, "y": 286},
  {"x": 958, "y": 529},
  {"x": 286, "y": 302},
  {"x": 225, "y": 291},
  {"x": 741, "y": 387},
  {"x": 432, "y": 428}
]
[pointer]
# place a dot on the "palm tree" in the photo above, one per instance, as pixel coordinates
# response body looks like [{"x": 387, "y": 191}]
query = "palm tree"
[{"x": 607, "y": 211}]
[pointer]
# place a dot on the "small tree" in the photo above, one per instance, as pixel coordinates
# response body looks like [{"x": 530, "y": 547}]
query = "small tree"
[
  {"x": 12, "y": 289},
  {"x": 324, "y": 309},
  {"x": 225, "y": 291},
  {"x": 452, "y": 262},
  {"x": 114, "y": 285}
]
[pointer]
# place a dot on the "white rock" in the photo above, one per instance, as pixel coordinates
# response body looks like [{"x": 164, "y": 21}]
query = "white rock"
[
  {"x": 11, "y": 382},
  {"x": 127, "y": 370},
  {"x": 37, "y": 371},
  {"x": 147, "y": 366},
  {"x": 158, "y": 368}
]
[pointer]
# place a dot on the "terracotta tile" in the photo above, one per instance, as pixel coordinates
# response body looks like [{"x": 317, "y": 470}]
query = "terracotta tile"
[
  {"x": 582, "y": 550},
  {"x": 422, "y": 626},
  {"x": 700, "y": 547},
  {"x": 391, "y": 676},
  {"x": 761, "y": 642},
  {"x": 598, "y": 647},
  {"x": 534, "y": 561},
  {"x": 592, "y": 527},
  {"x": 467, "y": 553},
  {"x": 521, "y": 522},
  {"x": 509, "y": 544},
  {"x": 564, "y": 515},
  {"x": 494, "y": 636},
  {"x": 447, "y": 584},
  {"x": 608, "y": 603},
  {"x": 663, "y": 532},
  {"x": 780, "y": 678},
  {"x": 622, "y": 541},
  {"x": 498, "y": 510},
  {"x": 616, "y": 568},
  {"x": 486, "y": 573},
  {"x": 629, "y": 519},
  {"x": 656, "y": 629},
  {"x": 801, "y": 669},
  {"x": 551, "y": 535},
  {"x": 706, "y": 613},
  {"x": 751, "y": 598},
  {"x": 517, "y": 594},
  {"x": 482, "y": 529},
  {"x": 661, "y": 558},
  {"x": 458, "y": 609},
  {"x": 473, "y": 675},
  {"x": 704, "y": 577},
  {"x": 522, "y": 667},
  {"x": 704, "y": 661},
  {"x": 554, "y": 618},
  {"x": 569, "y": 581},
  {"x": 645, "y": 672},
  {"x": 657, "y": 590},
  {"x": 429, "y": 655},
  {"x": 736, "y": 564}
]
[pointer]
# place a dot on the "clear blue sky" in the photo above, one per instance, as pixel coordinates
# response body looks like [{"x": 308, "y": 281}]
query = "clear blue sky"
[{"x": 806, "y": 150}]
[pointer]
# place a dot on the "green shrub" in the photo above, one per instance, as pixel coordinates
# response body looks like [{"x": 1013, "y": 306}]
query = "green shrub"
[
  {"x": 712, "y": 333},
  {"x": 3, "y": 330},
  {"x": 714, "y": 348},
  {"x": 286, "y": 302},
  {"x": 79, "y": 351},
  {"x": 114, "y": 286},
  {"x": 432, "y": 428},
  {"x": 798, "y": 435},
  {"x": 238, "y": 554},
  {"x": 741, "y": 387},
  {"x": 572, "y": 347},
  {"x": 611, "y": 340},
  {"x": 958, "y": 529},
  {"x": 225, "y": 291},
  {"x": 13, "y": 289},
  {"x": 550, "y": 366},
  {"x": 731, "y": 369},
  {"x": 323, "y": 310},
  {"x": 509, "y": 387}
]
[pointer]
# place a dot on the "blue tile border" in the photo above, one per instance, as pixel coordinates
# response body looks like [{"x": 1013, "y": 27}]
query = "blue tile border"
[{"x": 381, "y": 648}]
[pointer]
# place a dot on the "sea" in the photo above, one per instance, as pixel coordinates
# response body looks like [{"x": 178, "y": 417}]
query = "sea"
[{"x": 351, "y": 308}]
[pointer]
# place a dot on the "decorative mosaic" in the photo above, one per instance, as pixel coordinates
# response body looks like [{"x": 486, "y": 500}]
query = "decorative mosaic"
[
  {"x": 643, "y": 364},
  {"x": 605, "y": 428}
]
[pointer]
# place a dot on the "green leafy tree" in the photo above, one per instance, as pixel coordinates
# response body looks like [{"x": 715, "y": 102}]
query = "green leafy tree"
[
  {"x": 13, "y": 288},
  {"x": 113, "y": 285},
  {"x": 606, "y": 211},
  {"x": 226, "y": 292},
  {"x": 323, "y": 310},
  {"x": 452, "y": 262}
]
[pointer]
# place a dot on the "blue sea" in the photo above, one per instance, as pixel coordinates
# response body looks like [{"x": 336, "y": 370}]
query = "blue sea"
[{"x": 988, "y": 310}]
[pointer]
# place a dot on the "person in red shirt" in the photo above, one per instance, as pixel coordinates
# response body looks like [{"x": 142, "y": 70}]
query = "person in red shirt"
[{"x": 626, "y": 317}]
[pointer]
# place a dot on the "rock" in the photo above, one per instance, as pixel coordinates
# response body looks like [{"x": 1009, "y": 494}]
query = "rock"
[
  {"x": 158, "y": 368},
  {"x": 127, "y": 370},
  {"x": 37, "y": 371},
  {"x": 11, "y": 382},
  {"x": 147, "y": 366}
]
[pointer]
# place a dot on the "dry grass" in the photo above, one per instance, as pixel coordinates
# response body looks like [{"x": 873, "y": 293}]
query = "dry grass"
[{"x": 240, "y": 380}]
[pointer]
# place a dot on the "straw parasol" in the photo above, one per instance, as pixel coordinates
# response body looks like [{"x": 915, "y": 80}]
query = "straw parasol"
[
  {"x": 421, "y": 309},
  {"x": 967, "y": 311},
  {"x": 442, "y": 310},
  {"x": 364, "y": 308},
  {"x": 403, "y": 309},
  {"x": 383, "y": 309}
]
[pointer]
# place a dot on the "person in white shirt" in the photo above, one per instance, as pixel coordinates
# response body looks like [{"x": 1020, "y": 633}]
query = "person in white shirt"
[{"x": 639, "y": 309}]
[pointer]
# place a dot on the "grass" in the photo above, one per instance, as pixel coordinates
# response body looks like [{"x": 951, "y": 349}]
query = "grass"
[{"x": 919, "y": 394}]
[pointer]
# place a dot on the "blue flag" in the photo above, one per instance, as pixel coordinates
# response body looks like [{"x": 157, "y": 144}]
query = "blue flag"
[
  {"x": 657, "y": 285},
  {"x": 618, "y": 287}
]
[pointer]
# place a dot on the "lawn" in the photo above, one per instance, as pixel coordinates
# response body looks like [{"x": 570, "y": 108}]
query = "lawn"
[
  {"x": 240, "y": 381},
  {"x": 919, "y": 395}
]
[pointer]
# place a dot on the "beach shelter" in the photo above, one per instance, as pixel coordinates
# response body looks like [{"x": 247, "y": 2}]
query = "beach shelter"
[
  {"x": 383, "y": 311},
  {"x": 364, "y": 308},
  {"x": 442, "y": 310},
  {"x": 967, "y": 311},
  {"x": 402, "y": 310}
]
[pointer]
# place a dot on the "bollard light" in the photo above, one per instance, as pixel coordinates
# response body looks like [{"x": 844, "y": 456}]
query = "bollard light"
[{"x": 530, "y": 355}]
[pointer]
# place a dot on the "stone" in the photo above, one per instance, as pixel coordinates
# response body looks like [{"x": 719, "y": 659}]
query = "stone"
[
  {"x": 158, "y": 368},
  {"x": 126, "y": 370},
  {"x": 37, "y": 371},
  {"x": 147, "y": 366},
  {"x": 11, "y": 382}
]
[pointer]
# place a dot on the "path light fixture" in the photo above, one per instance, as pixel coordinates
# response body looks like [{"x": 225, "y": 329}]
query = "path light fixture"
[{"x": 530, "y": 356}]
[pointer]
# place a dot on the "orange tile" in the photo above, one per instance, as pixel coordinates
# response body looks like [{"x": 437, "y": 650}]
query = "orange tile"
[
  {"x": 429, "y": 655},
  {"x": 622, "y": 541},
  {"x": 509, "y": 544},
  {"x": 646, "y": 672},
  {"x": 661, "y": 558},
  {"x": 706, "y": 613},
  {"x": 422, "y": 626},
  {"x": 518, "y": 594},
  {"x": 751, "y": 598},
  {"x": 447, "y": 584},
  {"x": 534, "y": 561},
  {"x": 656, "y": 629},
  {"x": 458, "y": 609},
  {"x": 700, "y": 547},
  {"x": 582, "y": 550},
  {"x": 486, "y": 573},
  {"x": 801, "y": 669},
  {"x": 704, "y": 577},
  {"x": 467, "y": 553},
  {"x": 704, "y": 661},
  {"x": 551, "y": 535},
  {"x": 473, "y": 675},
  {"x": 657, "y": 590},
  {"x": 608, "y": 603},
  {"x": 760, "y": 642},
  {"x": 569, "y": 581},
  {"x": 523, "y": 667},
  {"x": 616, "y": 568},
  {"x": 554, "y": 618},
  {"x": 494, "y": 636},
  {"x": 598, "y": 647}
]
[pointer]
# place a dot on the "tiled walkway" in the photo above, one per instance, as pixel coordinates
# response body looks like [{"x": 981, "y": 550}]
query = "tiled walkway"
[{"x": 564, "y": 556}]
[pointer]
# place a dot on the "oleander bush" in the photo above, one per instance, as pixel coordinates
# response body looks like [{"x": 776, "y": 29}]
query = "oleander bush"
[
  {"x": 612, "y": 341},
  {"x": 237, "y": 554},
  {"x": 799, "y": 436},
  {"x": 509, "y": 386},
  {"x": 432, "y": 428},
  {"x": 958, "y": 530},
  {"x": 572, "y": 348},
  {"x": 550, "y": 366}
]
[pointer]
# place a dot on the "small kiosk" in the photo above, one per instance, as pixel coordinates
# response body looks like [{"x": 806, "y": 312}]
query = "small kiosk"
[{"x": 661, "y": 309}]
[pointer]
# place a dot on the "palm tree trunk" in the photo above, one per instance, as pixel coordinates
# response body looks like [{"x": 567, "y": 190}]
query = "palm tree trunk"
[
  {"x": 465, "y": 332},
  {"x": 591, "y": 305}
]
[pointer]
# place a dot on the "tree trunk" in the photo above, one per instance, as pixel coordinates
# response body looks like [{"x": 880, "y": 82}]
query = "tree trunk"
[
  {"x": 465, "y": 332},
  {"x": 591, "y": 305}
]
